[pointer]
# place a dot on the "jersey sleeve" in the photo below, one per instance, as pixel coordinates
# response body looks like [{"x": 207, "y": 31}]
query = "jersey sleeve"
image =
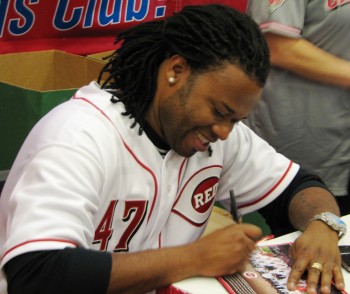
[
  {"x": 283, "y": 17},
  {"x": 52, "y": 204},
  {"x": 53, "y": 190},
  {"x": 254, "y": 170}
]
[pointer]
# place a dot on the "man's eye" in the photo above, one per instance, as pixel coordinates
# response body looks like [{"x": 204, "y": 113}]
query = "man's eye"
[
  {"x": 222, "y": 115},
  {"x": 218, "y": 113}
]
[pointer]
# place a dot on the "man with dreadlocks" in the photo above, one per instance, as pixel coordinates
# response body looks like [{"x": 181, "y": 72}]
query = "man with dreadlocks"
[{"x": 113, "y": 189}]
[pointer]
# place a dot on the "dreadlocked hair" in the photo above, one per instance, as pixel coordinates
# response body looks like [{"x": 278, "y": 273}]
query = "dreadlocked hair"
[{"x": 206, "y": 36}]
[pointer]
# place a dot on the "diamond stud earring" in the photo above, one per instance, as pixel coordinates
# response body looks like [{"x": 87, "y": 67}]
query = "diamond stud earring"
[{"x": 171, "y": 80}]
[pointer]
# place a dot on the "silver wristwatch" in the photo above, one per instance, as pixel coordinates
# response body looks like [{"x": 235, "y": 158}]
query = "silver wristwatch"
[{"x": 333, "y": 221}]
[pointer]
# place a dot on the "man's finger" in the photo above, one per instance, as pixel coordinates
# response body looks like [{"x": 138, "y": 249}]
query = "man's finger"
[
  {"x": 314, "y": 274},
  {"x": 296, "y": 272}
]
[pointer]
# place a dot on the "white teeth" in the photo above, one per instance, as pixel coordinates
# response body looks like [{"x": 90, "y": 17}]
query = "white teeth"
[{"x": 202, "y": 138}]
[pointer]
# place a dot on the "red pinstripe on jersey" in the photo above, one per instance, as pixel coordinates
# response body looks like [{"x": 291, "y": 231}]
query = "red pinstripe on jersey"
[
  {"x": 40, "y": 240},
  {"x": 269, "y": 191}
]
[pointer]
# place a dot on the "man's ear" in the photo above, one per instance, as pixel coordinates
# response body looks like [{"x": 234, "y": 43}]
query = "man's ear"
[{"x": 177, "y": 69}]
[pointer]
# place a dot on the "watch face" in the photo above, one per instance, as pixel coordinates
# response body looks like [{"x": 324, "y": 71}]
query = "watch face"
[
  {"x": 334, "y": 218},
  {"x": 338, "y": 224}
]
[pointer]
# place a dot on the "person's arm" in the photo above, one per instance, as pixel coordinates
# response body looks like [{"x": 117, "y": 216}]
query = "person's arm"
[
  {"x": 70, "y": 270},
  {"x": 222, "y": 252},
  {"x": 309, "y": 202},
  {"x": 79, "y": 270},
  {"x": 305, "y": 59}
]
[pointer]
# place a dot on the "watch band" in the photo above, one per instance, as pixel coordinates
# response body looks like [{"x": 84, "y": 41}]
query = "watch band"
[{"x": 333, "y": 221}]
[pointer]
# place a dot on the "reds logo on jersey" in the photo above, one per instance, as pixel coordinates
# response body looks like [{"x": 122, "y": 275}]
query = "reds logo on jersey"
[
  {"x": 198, "y": 195},
  {"x": 204, "y": 194},
  {"x": 274, "y": 4}
]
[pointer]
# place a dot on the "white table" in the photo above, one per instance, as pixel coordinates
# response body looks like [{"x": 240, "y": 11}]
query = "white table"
[{"x": 201, "y": 285}]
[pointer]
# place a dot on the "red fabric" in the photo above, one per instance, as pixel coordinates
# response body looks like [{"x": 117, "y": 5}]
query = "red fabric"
[
  {"x": 170, "y": 290},
  {"x": 80, "y": 26}
]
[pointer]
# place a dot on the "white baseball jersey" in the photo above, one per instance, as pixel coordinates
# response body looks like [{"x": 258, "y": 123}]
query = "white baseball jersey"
[
  {"x": 84, "y": 177},
  {"x": 307, "y": 121}
]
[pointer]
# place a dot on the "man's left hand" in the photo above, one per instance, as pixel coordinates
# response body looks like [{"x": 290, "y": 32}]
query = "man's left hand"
[{"x": 317, "y": 252}]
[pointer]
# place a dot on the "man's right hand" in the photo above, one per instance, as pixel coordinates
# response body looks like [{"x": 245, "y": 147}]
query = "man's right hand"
[{"x": 226, "y": 250}]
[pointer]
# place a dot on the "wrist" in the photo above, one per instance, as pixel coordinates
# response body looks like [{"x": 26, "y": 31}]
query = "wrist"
[{"x": 195, "y": 256}]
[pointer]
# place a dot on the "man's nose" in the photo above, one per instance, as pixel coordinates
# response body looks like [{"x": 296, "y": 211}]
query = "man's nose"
[{"x": 223, "y": 129}]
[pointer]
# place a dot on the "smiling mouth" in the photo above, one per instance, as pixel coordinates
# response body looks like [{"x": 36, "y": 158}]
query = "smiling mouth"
[{"x": 203, "y": 139}]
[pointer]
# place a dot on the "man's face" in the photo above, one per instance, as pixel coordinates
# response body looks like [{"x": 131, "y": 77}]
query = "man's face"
[{"x": 205, "y": 108}]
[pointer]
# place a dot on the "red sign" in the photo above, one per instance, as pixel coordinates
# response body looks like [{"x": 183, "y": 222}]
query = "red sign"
[{"x": 80, "y": 26}]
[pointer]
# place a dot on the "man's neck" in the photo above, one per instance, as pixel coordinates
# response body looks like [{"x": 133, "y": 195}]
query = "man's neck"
[{"x": 162, "y": 146}]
